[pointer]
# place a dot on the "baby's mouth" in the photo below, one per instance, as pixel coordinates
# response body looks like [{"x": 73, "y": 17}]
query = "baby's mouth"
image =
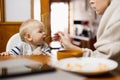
[{"x": 44, "y": 38}]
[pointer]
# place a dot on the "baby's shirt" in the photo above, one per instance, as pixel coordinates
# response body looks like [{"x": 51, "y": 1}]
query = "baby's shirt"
[{"x": 25, "y": 49}]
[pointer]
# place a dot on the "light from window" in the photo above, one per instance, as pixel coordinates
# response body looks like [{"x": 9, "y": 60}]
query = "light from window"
[{"x": 59, "y": 17}]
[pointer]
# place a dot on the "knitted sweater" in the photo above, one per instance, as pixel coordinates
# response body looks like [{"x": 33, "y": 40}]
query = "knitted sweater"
[{"x": 108, "y": 35}]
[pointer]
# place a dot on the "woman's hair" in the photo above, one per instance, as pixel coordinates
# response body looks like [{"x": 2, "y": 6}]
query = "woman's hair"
[{"x": 26, "y": 27}]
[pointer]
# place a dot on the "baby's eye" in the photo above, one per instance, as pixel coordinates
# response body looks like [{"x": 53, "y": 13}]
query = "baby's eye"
[{"x": 40, "y": 31}]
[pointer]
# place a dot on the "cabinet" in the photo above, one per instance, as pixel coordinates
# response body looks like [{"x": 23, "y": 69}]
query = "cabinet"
[
  {"x": 85, "y": 43},
  {"x": 88, "y": 44}
]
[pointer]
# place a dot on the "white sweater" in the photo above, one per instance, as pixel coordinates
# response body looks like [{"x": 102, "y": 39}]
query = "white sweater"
[{"x": 108, "y": 35}]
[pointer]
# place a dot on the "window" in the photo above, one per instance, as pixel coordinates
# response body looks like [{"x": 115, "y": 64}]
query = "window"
[
  {"x": 37, "y": 11},
  {"x": 59, "y": 17},
  {"x": 19, "y": 10}
]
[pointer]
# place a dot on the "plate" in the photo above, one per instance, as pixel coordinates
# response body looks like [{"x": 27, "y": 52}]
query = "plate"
[{"x": 86, "y": 65}]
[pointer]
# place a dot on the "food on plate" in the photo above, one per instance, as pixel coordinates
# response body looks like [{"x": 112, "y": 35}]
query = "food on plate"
[
  {"x": 87, "y": 65},
  {"x": 82, "y": 67}
]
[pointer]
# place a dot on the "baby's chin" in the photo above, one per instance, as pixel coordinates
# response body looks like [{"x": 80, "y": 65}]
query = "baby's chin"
[{"x": 40, "y": 44}]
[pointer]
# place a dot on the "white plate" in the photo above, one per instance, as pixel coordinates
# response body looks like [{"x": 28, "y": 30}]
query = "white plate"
[{"x": 87, "y": 66}]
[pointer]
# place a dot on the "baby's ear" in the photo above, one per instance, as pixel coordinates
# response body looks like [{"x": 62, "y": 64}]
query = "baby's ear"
[{"x": 28, "y": 37}]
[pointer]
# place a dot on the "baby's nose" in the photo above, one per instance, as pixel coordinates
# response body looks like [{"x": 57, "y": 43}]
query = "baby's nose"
[{"x": 44, "y": 33}]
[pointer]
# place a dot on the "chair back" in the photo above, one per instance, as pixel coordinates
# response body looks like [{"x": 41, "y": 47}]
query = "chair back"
[{"x": 14, "y": 40}]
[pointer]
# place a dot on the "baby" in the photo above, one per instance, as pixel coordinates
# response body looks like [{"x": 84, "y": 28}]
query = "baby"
[{"x": 33, "y": 40}]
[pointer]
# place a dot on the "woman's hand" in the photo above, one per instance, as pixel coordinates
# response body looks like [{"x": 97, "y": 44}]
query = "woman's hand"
[
  {"x": 64, "y": 38},
  {"x": 56, "y": 37}
]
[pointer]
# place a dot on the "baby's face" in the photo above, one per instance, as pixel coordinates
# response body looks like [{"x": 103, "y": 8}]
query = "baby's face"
[{"x": 37, "y": 35}]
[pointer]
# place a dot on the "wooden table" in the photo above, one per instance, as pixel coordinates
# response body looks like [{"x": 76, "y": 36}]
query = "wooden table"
[{"x": 112, "y": 75}]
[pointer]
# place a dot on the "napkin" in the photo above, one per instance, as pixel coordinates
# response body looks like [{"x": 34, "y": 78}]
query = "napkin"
[{"x": 61, "y": 54}]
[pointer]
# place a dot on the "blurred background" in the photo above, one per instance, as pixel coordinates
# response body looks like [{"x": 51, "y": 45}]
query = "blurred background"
[{"x": 71, "y": 16}]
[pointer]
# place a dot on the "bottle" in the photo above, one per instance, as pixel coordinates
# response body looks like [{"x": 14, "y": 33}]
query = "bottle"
[
  {"x": 77, "y": 27},
  {"x": 86, "y": 29}
]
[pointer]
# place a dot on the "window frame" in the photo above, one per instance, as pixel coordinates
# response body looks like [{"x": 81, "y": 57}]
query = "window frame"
[
  {"x": 2, "y": 11},
  {"x": 2, "y": 18}
]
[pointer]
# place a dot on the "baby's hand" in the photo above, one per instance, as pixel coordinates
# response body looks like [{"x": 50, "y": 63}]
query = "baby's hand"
[
  {"x": 5, "y": 54},
  {"x": 38, "y": 53}
]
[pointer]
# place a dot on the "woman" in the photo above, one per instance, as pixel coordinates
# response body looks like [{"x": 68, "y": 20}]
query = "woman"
[{"x": 108, "y": 35}]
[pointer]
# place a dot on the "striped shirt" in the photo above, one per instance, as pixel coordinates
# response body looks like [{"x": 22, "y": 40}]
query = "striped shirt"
[{"x": 25, "y": 49}]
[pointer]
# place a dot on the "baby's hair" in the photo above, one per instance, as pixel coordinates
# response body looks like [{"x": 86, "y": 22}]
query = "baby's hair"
[{"x": 25, "y": 26}]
